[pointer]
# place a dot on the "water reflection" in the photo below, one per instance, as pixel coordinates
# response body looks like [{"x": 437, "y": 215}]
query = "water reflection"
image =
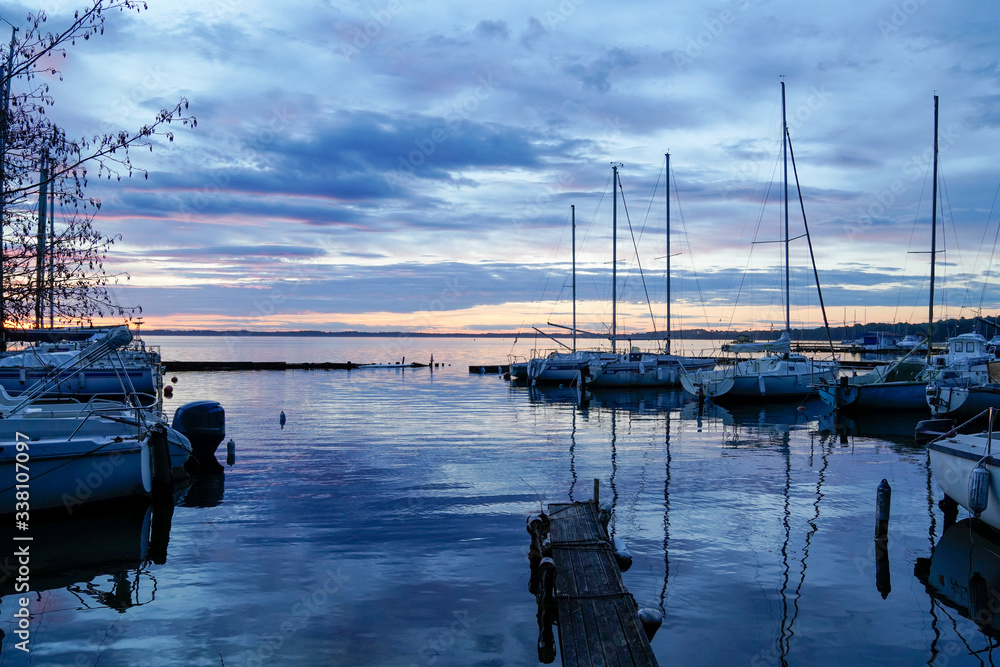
[
  {"x": 76, "y": 553},
  {"x": 963, "y": 575},
  {"x": 204, "y": 491},
  {"x": 554, "y": 394},
  {"x": 896, "y": 427}
]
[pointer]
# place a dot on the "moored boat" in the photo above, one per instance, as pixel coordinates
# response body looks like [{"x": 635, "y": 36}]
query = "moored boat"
[
  {"x": 646, "y": 369},
  {"x": 961, "y": 402},
  {"x": 910, "y": 384},
  {"x": 63, "y": 354},
  {"x": 778, "y": 374},
  {"x": 964, "y": 466},
  {"x": 57, "y": 454}
]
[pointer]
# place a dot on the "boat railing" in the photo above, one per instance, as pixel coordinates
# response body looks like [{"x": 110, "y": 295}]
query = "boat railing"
[
  {"x": 989, "y": 413},
  {"x": 116, "y": 414}
]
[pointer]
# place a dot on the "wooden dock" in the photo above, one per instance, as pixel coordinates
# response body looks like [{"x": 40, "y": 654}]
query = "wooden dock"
[
  {"x": 580, "y": 588},
  {"x": 170, "y": 366}
]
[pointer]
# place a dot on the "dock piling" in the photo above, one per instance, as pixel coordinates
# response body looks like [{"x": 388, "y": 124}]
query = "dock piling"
[{"x": 883, "y": 500}]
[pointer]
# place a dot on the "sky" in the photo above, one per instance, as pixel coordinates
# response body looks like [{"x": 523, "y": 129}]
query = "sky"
[{"x": 411, "y": 165}]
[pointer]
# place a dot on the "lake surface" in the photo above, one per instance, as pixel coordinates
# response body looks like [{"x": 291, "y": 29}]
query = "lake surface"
[{"x": 384, "y": 525}]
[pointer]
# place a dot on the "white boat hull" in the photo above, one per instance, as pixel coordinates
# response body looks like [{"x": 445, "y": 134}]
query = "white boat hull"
[
  {"x": 769, "y": 377},
  {"x": 952, "y": 461},
  {"x": 62, "y": 466},
  {"x": 648, "y": 374}
]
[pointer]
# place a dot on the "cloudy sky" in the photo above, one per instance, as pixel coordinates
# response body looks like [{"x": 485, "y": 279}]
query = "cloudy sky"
[{"x": 410, "y": 165}]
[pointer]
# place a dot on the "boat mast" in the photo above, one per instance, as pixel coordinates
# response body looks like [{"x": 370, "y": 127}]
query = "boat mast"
[
  {"x": 667, "y": 174},
  {"x": 614, "y": 256},
  {"x": 930, "y": 305},
  {"x": 572, "y": 208},
  {"x": 784, "y": 155}
]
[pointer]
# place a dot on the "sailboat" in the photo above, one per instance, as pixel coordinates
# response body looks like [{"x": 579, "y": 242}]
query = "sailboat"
[
  {"x": 576, "y": 367},
  {"x": 636, "y": 368},
  {"x": 908, "y": 384},
  {"x": 777, "y": 374}
]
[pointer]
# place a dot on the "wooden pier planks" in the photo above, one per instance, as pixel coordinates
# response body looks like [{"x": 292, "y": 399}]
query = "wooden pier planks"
[{"x": 598, "y": 618}]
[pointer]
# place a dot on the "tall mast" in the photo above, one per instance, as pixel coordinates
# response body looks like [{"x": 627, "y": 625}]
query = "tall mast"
[
  {"x": 930, "y": 305},
  {"x": 614, "y": 256},
  {"x": 40, "y": 245},
  {"x": 572, "y": 208},
  {"x": 52, "y": 254},
  {"x": 667, "y": 350},
  {"x": 784, "y": 155}
]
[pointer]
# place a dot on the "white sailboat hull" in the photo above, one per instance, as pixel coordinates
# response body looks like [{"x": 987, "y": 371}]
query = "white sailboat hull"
[
  {"x": 769, "y": 377},
  {"x": 952, "y": 461},
  {"x": 66, "y": 461}
]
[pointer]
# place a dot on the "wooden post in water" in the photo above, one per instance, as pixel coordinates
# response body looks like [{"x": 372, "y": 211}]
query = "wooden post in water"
[
  {"x": 883, "y": 499},
  {"x": 597, "y": 493}
]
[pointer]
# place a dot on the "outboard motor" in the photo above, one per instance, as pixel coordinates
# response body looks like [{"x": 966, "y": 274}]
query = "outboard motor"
[{"x": 204, "y": 424}]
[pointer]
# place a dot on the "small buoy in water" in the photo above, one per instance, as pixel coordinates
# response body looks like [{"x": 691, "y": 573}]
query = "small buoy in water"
[
  {"x": 651, "y": 620},
  {"x": 622, "y": 556},
  {"x": 281, "y": 419},
  {"x": 230, "y": 452},
  {"x": 168, "y": 391},
  {"x": 802, "y": 408},
  {"x": 979, "y": 489},
  {"x": 174, "y": 379}
]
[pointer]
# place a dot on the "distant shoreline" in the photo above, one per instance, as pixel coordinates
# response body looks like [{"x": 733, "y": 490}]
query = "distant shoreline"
[
  {"x": 943, "y": 329},
  {"x": 329, "y": 334}
]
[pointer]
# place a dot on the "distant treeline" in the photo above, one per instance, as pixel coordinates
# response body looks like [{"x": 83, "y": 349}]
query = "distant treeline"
[{"x": 943, "y": 329}]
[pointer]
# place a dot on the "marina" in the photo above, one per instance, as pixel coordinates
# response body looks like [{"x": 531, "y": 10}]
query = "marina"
[{"x": 398, "y": 500}]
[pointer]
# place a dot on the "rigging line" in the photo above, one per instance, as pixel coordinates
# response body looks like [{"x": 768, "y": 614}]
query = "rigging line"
[
  {"x": 798, "y": 187},
  {"x": 649, "y": 207},
  {"x": 913, "y": 231},
  {"x": 687, "y": 242},
  {"x": 760, "y": 222},
  {"x": 760, "y": 165},
  {"x": 597, "y": 282},
  {"x": 635, "y": 247},
  {"x": 996, "y": 238},
  {"x": 656, "y": 188}
]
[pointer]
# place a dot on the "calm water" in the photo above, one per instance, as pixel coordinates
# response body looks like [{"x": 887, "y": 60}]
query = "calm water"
[{"x": 384, "y": 525}]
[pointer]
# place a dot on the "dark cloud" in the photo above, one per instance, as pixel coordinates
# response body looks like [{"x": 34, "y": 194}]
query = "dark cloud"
[
  {"x": 486, "y": 29},
  {"x": 533, "y": 33},
  {"x": 598, "y": 74}
]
